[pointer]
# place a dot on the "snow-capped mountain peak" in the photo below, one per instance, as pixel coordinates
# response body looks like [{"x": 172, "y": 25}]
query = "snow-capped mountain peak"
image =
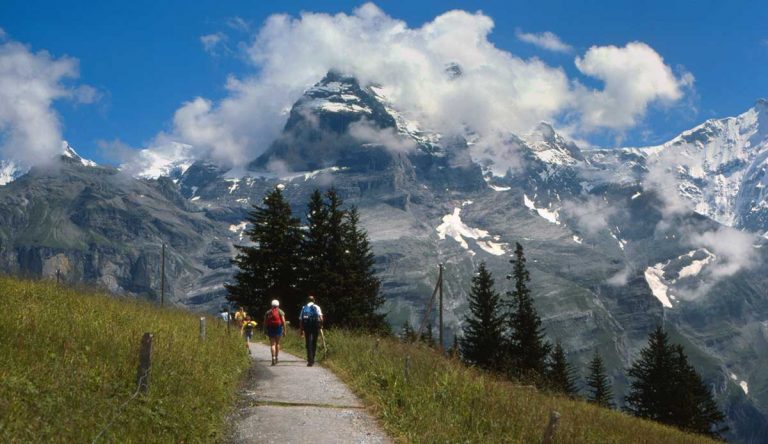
[
  {"x": 70, "y": 153},
  {"x": 552, "y": 148},
  {"x": 10, "y": 170},
  {"x": 171, "y": 160}
]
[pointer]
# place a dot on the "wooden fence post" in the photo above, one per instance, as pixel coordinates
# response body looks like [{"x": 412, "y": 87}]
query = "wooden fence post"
[
  {"x": 407, "y": 369},
  {"x": 145, "y": 363},
  {"x": 549, "y": 432},
  {"x": 202, "y": 328}
]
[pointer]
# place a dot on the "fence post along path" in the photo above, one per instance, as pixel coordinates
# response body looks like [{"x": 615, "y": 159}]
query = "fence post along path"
[{"x": 145, "y": 363}]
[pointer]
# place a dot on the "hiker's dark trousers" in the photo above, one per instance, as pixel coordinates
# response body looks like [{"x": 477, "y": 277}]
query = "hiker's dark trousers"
[{"x": 310, "y": 336}]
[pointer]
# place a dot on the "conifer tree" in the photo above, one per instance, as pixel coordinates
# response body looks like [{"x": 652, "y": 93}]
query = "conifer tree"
[
  {"x": 693, "y": 407},
  {"x": 599, "y": 388},
  {"x": 527, "y": 348},
  {"x": 559, "y": 374},
  {"x": 652, "y": 389},
  {"x": 667, "y": 389},
  {"x": 323, "y": 255},
  {"x": 361, "y": 285},
  {"x": 314, "y": 243},
  {"x": 268, "y": 267},
  {"x": 482, "y": 341},
  {"x": 427, "y": 337},
  {"x": 338, "y": 265},
  {"x": 407, "y": 334}
]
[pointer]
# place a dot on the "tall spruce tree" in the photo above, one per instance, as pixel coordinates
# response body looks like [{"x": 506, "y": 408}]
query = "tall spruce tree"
[
  {"x": 599, "y": 388},
  {"x": 360, "y": 281},
  {"x": 482, "y": 342},
  {"x": 560, "y": 373},
  {"x": 268, "y": 267},
  {"x": 323, "y": 255},
  {"x": 313, "y": 245},
  {"x": 527, "y": 348},
  {"x": 693, "y": 407},
  {"x": 667, "y": 389},
  {"x": 651, "y": 390},
  {"x": 338, "y": 265}
]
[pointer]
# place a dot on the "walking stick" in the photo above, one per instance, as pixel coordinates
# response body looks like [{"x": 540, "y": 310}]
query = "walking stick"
[{"x": 325, "y": 347}]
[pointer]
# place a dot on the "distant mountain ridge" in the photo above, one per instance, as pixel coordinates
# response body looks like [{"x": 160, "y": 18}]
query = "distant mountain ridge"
[{"x": 605, "y": 269}]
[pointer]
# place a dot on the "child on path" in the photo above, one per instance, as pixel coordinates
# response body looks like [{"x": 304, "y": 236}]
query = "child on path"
[
  {"x": 249, "y": 326},
  {"x": 274, "y": 323},
  {"x": 310, "y": 324},
  {"x": 240, "y": 317}
]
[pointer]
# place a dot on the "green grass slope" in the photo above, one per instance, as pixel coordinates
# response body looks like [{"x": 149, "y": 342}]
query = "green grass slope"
[
  {"x": 442, "y": 400},
  {"x": 68, "y": 365}
]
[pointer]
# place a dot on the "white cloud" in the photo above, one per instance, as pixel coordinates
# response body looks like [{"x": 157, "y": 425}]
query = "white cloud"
[
  {"x": 545, "y": 40},
  {"x": 620, "y": 279},
  {"x": 496, "y": 93},
  {"x": 591, "y": 215},
  {"x": 387, "y": 137},
  {"x": 634, "y": 76},
  {"x": 239, "y": 24},
  {"x": 733, "y": 248},
  {"x": 213, "y": 43},
  {"x": 30, "y": 129}
]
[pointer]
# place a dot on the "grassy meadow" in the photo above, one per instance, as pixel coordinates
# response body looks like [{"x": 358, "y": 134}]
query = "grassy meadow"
[
  {"x": 443, "y": 401},
  {"x": 68, "y": 364}
]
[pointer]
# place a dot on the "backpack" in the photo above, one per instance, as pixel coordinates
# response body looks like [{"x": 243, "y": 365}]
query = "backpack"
[
  {"x": 310, "y": 316},
  {"x": 273, "y": 318}
]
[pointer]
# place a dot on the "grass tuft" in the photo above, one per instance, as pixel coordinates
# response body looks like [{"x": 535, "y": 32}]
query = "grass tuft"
[{"x": 69, "y": 357}]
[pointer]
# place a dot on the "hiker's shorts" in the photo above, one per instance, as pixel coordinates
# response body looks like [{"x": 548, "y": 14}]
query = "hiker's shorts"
[{"x": 275, "y": 332}]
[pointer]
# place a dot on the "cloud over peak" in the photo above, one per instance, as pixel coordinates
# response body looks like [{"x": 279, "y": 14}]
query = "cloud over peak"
[
  {"x": 30, "y": 129},
  {"x": 497, "y": 93}
]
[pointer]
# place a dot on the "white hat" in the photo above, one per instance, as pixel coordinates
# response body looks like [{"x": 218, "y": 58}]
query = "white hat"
[{"x": 275, "y": 303}]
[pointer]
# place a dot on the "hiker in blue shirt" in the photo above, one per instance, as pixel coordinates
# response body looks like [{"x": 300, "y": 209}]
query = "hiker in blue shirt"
[{"x": 310, "y": 324}]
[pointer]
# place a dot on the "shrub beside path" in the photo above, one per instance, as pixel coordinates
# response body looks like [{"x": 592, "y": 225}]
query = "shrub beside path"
[{"x": 293, "y": 403}]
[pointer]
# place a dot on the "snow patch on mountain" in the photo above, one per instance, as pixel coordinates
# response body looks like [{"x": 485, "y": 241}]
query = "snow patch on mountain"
[
  {"x": 743, "y": 384},
  {"x": 551, "y": 216},
  {"x": 695, "y": 267},
  {"x": 654, "y": 276},
  {"x": 453, "y": 227},
  {"x": 235, "y": 183},
  {"x": 496, "y": 249},
  {"x": 239, "y": 229},
  {"x": 9, "y": 172}
]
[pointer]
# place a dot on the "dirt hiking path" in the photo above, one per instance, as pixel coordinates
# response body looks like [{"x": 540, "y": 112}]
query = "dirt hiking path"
[{"x": 293, "y": 403}]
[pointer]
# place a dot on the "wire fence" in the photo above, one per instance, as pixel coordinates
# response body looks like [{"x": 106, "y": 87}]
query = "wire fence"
[{"x": 119, "y": 411}]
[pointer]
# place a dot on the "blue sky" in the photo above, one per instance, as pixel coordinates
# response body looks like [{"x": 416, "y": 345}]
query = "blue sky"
[{"x": 145, "y": 59}]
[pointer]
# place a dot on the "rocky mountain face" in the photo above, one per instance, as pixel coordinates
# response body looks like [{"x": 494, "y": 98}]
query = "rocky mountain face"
[{"x": 610, "y": 255}]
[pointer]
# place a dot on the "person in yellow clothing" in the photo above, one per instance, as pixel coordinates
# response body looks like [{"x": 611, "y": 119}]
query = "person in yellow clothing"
[
  {"x": 240, "y": 317},
  {"x": 249, "y": 326}
]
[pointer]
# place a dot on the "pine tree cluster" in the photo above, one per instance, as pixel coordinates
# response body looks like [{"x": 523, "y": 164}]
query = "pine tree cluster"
[
  {"x": 507, "y": 337},
  {"x": 331, "y": 258}
]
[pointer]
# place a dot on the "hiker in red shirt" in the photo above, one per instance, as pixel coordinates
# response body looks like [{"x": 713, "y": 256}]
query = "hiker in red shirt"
[{"x": 274, "y": 322}]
